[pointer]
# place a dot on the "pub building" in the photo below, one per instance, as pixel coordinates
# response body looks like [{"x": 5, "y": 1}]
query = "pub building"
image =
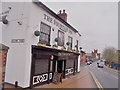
[{"x": 31, "y": 31}]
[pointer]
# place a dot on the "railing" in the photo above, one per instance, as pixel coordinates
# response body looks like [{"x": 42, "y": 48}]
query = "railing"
[{"x": 2, "y": 86}]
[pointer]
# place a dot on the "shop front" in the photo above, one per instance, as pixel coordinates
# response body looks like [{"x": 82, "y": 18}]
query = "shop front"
[{"x": 46, "y": 61}]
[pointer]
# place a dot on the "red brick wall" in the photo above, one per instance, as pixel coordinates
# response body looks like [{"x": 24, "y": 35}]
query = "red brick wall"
[{"x": 3, "y": 56}]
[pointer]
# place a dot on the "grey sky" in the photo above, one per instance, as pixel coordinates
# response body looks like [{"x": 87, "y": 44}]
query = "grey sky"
[{"x": 96, "y": 21}]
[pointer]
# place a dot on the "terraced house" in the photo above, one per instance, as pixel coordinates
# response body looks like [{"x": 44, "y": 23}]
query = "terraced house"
[{"x": 40, "y": 43}]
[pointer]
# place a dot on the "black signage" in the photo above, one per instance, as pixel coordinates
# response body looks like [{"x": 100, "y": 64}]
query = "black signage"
[{"x": 57, "y": 78}]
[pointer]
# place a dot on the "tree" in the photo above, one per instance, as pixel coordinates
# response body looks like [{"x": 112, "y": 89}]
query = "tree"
[{"x": 109, "y": 53}]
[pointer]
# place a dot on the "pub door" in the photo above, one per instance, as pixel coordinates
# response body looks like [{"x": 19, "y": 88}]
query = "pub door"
[{"x": 61, "y": 64}]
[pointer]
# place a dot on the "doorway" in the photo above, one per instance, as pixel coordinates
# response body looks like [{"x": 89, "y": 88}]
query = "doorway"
[{"x": 59, "y": 66}]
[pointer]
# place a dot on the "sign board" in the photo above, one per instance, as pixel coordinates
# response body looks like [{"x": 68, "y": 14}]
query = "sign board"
[
  {"x": 17, "y": 41},
  {"x": 57, "y": 77}
]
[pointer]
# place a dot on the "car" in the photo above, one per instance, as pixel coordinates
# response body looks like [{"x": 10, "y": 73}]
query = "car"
[
  {"x": 88, "y": 63},
  {"x": 100, "y": 64}
]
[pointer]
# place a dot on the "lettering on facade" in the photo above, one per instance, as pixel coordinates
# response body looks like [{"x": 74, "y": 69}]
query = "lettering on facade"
[
  {"x": 64, "y": 54},
  {"x": 4, "y": 14},
  {"x": 41, "y": 78},
  {"x": 49, "y": 19},
  {"x": 56, "y": 23}
]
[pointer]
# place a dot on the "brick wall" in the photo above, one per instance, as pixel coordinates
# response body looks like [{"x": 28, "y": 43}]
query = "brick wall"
[{"x": 3, "y": 56}]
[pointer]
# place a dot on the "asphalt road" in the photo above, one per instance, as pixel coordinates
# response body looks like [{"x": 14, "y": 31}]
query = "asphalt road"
[{"x": 106, "y": 77}]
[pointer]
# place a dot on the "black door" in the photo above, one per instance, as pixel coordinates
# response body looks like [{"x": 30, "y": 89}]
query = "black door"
[{"x": 59, "y": 66}]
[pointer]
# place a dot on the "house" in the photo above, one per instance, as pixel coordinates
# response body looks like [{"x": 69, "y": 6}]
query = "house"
[
  {"x": 89, "y": 56},
  {"x": 83, "y": 57},
  {"x": 23, "y": 26},
  {"x": 95, "y": 54}
]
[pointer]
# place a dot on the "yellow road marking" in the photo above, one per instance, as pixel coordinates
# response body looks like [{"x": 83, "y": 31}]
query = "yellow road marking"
[{"x": 97, "y": 82}]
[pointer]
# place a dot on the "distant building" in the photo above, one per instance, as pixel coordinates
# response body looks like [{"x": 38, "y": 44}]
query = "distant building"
[
  {"x": 95, "y": 54},
  {"x": 83, "y": 57},
  {"x": 89, "y": 56}
]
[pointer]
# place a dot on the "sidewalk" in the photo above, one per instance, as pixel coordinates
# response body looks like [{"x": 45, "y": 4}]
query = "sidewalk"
[{"x": 80, "y": 80}]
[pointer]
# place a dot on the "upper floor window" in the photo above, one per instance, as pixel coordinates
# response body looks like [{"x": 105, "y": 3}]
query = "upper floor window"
[
  {"x": 77, "y": 45},
  {"x": 70, "y": 40},
  {"x": 45, "y": 33},
  {"x": 60, "y": 38}
]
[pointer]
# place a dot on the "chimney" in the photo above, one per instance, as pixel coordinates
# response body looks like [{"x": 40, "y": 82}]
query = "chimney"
[
  {"x": 63, "y": 15},
  {"x": 95, "y": 50}
]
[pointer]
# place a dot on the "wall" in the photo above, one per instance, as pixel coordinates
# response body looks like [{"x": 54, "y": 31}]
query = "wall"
[
  {"x": 16, "y": 64},
  {"x": 19, "y": 56}
]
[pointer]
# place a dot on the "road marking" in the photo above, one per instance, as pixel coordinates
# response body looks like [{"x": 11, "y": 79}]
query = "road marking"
[{"x": 96, "y": 81}]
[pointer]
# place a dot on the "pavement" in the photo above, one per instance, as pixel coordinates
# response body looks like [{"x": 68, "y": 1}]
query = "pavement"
[
  {"x": 80, "y": 80},
  {"x": 83, "y": 79}
]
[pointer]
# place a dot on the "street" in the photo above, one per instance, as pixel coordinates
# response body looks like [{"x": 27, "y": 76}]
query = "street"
[{"x": 105, "y": 76}]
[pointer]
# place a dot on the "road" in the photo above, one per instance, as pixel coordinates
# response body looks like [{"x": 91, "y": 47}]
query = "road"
[{"x": 106, "y": 77}]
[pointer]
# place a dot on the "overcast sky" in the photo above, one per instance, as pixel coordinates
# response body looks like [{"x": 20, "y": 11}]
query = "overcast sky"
[{"x": 96, "y": 21}]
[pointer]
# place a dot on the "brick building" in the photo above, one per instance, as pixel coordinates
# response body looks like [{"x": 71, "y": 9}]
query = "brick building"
[
  {"x": 83, "y": 57},
  {"x": 3, "y": 57}
]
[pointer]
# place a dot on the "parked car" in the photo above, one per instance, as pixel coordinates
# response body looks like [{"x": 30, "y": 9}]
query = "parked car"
[
  {"x": 100, "y": 64},
  {"x": 88, "y": 63}
]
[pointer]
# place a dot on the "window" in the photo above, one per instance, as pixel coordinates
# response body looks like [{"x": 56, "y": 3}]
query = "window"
[
  {"x": 45, "y": 33},
  {"x": 70, "y": 41},
  {"x": 77, "y": 45},
  {"x": 60, "y": 38}
]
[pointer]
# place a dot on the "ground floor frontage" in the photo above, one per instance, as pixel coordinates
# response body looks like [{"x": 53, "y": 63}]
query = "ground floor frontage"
[
  {"x": 47, "y": 61},
  {"x": 80, "y": 80}
]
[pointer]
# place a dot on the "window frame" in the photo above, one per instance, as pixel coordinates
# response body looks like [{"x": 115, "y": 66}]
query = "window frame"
[
  {"x": 70, "y": 45},
  {"x": 43, "y": 33},
  {"x": 77, "y": 43},
  {"x": 63, "y": 38}
]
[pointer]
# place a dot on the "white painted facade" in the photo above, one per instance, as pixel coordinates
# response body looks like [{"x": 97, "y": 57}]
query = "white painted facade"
[{"x": 18, "y": 66}]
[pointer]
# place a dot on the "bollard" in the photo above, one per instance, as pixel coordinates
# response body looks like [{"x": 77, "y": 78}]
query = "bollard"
[{"x": 16, "y": 84}]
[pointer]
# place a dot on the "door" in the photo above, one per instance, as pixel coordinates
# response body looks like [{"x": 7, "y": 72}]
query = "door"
[{"x": 59, "y": 66}]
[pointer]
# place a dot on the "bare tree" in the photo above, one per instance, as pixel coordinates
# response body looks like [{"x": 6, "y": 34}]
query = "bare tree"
[{"x": 109, "y": 53}]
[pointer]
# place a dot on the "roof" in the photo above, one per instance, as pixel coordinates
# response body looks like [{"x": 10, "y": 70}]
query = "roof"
[
  {"x": 2, "y": 46},
  {"x": 40, "y": 4}
]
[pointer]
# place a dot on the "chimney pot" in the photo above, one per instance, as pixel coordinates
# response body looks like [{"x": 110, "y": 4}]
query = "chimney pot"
[
  {"x": 60, "y": 11},
  {"x": 63, "y": 15},
  {"x": 63, "y": 11}
]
